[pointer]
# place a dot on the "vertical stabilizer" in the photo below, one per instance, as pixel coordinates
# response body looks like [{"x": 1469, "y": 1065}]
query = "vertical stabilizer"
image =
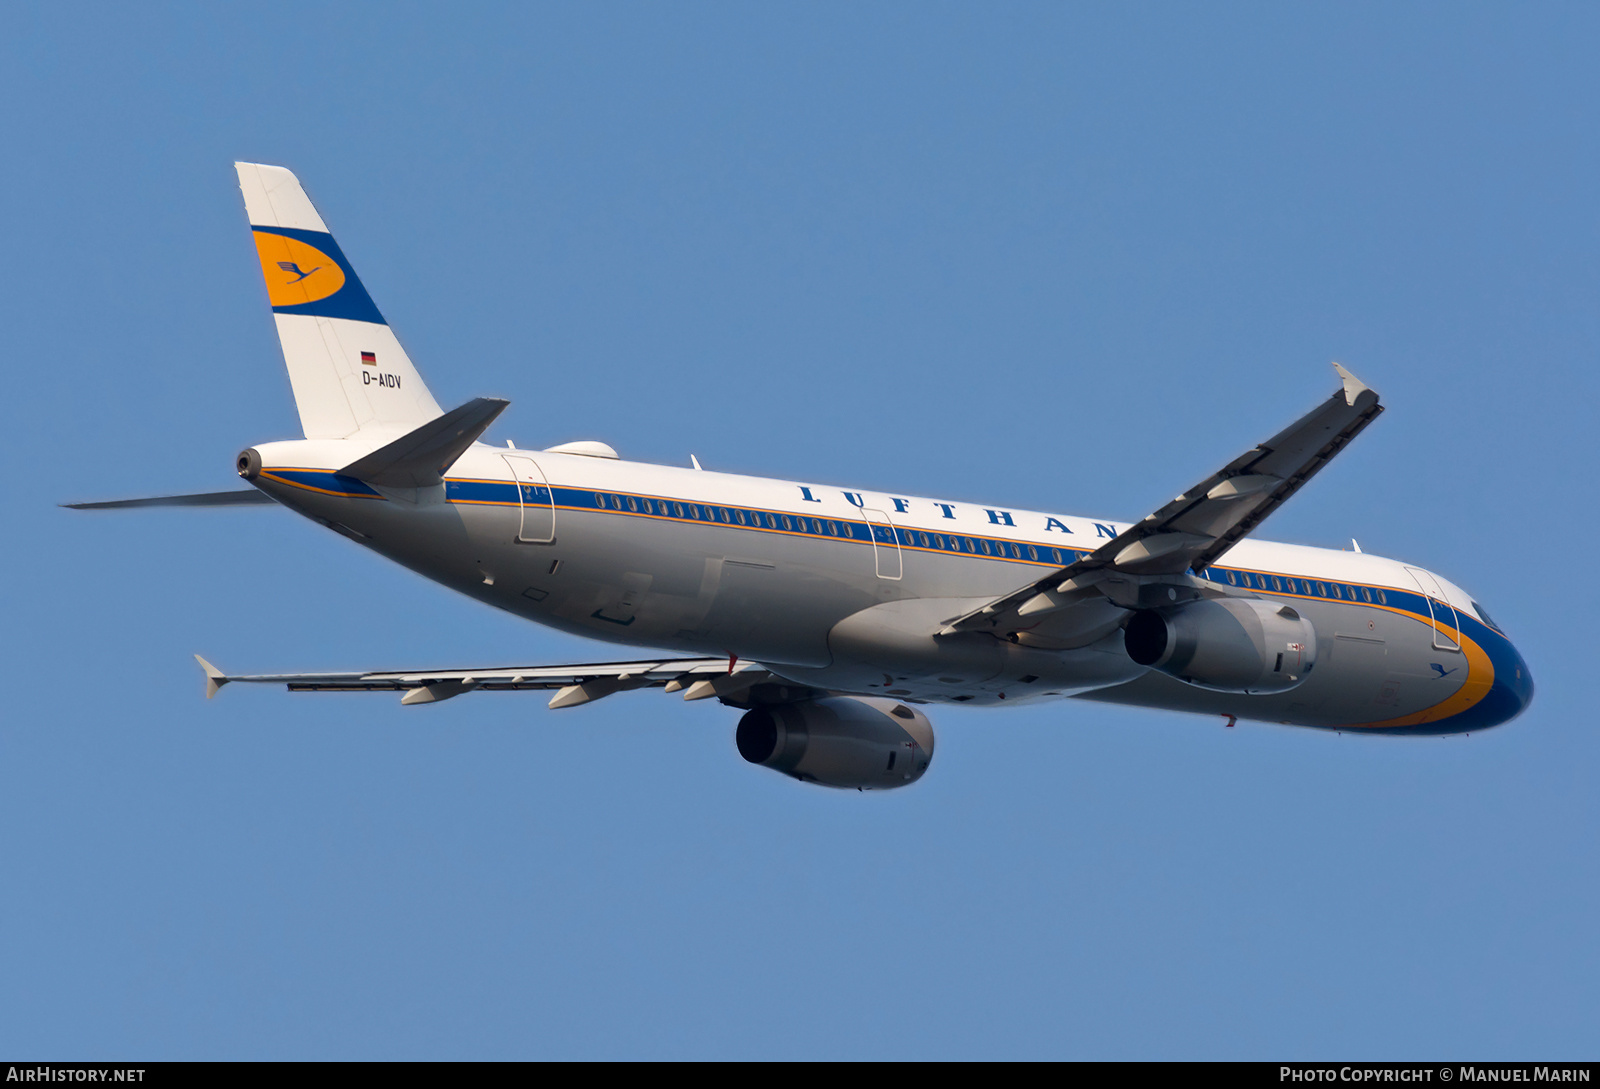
[{"x": 348, "y": 371}]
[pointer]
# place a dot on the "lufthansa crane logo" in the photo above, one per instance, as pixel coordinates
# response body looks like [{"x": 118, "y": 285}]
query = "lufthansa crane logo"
[{"x": 296, "y": 272}]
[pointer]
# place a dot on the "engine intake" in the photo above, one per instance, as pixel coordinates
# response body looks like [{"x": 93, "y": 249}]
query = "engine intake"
[
  {"x": 863, "y": 742},
  {"x": 1226, "y": 644}
]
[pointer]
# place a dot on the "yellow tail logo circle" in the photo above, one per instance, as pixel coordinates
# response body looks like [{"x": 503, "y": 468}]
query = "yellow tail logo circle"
[{"x": 295, "y": 272}]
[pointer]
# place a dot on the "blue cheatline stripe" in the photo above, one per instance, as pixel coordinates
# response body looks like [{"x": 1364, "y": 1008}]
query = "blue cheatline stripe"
[
  {"x": 763, "y": 520},
  {"x": 350, "y": 301}
]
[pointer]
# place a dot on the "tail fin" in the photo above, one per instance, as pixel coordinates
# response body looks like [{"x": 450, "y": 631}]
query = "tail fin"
[{"x": 348, "y": 371}]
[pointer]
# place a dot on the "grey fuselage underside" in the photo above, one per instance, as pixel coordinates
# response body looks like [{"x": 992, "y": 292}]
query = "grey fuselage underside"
[{"x": 710, "y": 589}]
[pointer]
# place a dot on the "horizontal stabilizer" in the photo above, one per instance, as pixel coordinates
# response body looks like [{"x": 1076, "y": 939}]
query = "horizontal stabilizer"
[
  {"x": 248, "y": 497},
  {"x": 419, "y": 459}
]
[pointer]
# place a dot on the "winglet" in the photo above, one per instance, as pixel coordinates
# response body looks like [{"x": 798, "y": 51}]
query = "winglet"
[
  {"x": 215, "y": 678},
  {"x": 1353, "y": 386}
]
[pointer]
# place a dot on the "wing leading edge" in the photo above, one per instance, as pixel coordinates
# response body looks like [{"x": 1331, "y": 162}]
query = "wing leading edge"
[{"x": 1196, "y": 528}]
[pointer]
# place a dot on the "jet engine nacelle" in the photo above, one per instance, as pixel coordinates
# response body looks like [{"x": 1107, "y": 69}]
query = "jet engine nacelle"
[
  {"x": 1226, "y": 644},
  {"x": 840, "y": 741}
]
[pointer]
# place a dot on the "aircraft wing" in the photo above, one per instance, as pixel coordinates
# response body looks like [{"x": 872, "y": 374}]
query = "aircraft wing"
[
  {"x": 697, "y": 678},
  {"x": 1196, "y": 528}
]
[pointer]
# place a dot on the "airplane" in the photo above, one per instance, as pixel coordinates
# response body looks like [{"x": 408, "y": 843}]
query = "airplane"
[{"x": 833, "y": 617}]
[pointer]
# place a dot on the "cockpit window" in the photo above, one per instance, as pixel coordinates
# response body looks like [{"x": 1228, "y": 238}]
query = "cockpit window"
[{"x": 1484, "y": 616}]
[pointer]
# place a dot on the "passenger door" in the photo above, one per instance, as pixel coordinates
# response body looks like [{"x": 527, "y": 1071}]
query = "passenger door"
[
  {"x": 1446, "y": 625},
  {"x": 885, "y": 544}
]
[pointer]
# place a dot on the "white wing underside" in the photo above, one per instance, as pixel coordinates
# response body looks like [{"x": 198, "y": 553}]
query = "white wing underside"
[{"x": 697, "y": 678}]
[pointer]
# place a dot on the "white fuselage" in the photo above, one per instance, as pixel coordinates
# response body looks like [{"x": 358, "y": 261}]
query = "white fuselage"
[{"x": 842, "y": 588}]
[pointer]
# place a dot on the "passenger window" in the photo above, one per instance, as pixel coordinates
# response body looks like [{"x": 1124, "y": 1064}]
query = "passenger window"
[
  {"x": 1366, "y": 594},
  {"x": 633, "y": 504},
  {"x": 1383, "y": 598},
  {"x": 786, "y": 523},
  {"x": 599, "y": 500},
  {"x": 1230, "y": 579},
  {"x": 1033, "y": 553}
]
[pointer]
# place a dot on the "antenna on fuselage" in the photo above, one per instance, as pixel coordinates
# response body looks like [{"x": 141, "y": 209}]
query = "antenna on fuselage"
[
  {"x": 1354, "y": 544},
  {"x": 695, "y": 462}
]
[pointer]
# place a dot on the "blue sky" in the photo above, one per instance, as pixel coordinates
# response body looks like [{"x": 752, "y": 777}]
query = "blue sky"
[{"x": 1056, "y": 257}]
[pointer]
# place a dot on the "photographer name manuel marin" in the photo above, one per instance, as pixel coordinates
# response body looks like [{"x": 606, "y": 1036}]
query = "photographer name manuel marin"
[{"x": 1396, "y": 1072}]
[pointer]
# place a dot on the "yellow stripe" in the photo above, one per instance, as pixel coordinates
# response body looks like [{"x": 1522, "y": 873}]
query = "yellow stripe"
[
  {"x": 1480, "y": 679},
  {"x": 313, "y": 488}
]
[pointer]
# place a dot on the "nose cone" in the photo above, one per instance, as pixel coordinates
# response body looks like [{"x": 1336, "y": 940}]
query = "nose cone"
[
  {"x": 1511, "y": 693},
  {"x": 1515, "y": 691}
]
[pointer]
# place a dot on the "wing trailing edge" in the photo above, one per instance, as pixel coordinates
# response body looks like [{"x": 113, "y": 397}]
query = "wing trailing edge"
[{"x": 574, "y": 685}]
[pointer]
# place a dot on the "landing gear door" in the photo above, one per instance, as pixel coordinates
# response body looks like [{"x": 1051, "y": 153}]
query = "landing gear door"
[
  {"x": 538, "y": 525},
  {"x": 1446, "y": 625},
  {"x": 885, "y": 544}
]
